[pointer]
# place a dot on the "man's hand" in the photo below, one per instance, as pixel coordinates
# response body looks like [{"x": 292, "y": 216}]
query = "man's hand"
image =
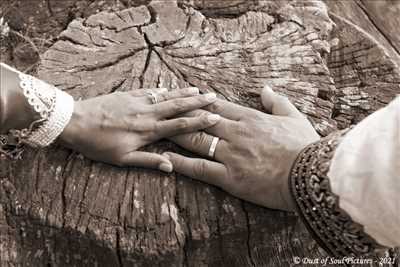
[{"x": 255, "y": 152}]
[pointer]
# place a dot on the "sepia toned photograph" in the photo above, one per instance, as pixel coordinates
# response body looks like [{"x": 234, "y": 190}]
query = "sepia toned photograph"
[{"x": 199, "y": 133}]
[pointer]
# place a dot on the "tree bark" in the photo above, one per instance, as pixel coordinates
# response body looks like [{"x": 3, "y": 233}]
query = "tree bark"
[{"x": 58, "y": 208}]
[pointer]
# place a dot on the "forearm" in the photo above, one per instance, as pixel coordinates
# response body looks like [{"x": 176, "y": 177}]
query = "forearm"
[{"x": 15, "y": 111}]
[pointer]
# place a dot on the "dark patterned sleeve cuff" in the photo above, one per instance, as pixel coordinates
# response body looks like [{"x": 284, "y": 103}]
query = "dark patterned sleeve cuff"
[{"x": 318, "y": 206}]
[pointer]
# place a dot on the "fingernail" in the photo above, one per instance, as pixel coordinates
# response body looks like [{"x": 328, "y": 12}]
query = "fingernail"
[
  {"x": 214, "y": 118},
  {"x": 268, "y": 88},
  {"x": 163, "y": 90},
  {"x": 166, "y": 155},
  {"x": 210, "y": 96},
  {"x": 193, "y": 90},
  {"x": 165, "y": 167}
]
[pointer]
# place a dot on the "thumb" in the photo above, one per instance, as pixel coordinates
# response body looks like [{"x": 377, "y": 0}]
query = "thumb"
[
  {"x": 147, "y": 160},
  {"x": 278, "y": 105}
]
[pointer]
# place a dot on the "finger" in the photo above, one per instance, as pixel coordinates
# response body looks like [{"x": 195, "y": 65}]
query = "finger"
[
  {"x": 176, "y": 106},
  {"x": 278, "y": 105},
  {"x": 165, "y": 95},
  {"x": 147, "y": 160},
  {"x": 143, "y": 92},
  {"x": 185, "y": 125},
  {"x": 200, "y": 169},
  {"x": 228, "y": 110},
  {"x": 178, "y": 93},
  {"x": 200, "y": 143},
  {"x": 223, "y": 129}
]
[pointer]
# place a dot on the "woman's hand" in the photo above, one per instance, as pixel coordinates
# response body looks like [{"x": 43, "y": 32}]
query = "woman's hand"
[
  {"x": 255, "y": 152},
  {"x": 111, "y": 128}
]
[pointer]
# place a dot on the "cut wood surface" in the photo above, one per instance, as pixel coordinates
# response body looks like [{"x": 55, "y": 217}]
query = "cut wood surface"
[
  {"x": 58, "y": 208},
  {"x": 379, "y": 18}
]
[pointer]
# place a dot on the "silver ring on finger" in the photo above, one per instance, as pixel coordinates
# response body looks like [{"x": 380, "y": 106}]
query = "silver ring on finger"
[
  {"x": 153, "y": 97},
  {"x": 213, "y": 146}
]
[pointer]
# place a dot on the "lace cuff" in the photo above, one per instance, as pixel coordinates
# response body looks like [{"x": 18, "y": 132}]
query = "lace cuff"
[
  {"x": 319, "y": 207},
  {"x": 55, "y": 108}
]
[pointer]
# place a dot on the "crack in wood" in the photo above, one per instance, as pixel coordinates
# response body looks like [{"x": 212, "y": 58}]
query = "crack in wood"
[
  {"x": 248, "y": 243},
  {"x": 69, "y": 160},
  {"x": 182, "y": 215},
  {"x": 118, "y": 248},
  {"x": 83, "y": 196},
  {"x": 147, "y": 62},
  {"x": 117, "y": 86}
]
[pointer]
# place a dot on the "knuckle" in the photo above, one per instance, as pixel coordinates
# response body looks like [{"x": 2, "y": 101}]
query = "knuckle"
[
  {"x": 176, "y": 94},
  {"x": 257, "y": 116},
  {"x": 162, "y": 97},
  {"x": 182, "y": 124},
  {"x": 179, "y": 106},
  {"x": 216, "y": 107},
  {"x": 198, "y": 140},
  {"x": 184, "y": 92},
  {"x": 177, "y": 162},
  {"x": 199, "y": 169},
  {"x": 132, "y": 126},
  {"x": 241, "y": 130},
  {"x": 204, "y": 121},
  {"x": 153, "y": 127}
]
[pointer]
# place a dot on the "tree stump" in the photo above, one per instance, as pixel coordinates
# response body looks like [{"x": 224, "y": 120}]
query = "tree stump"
[{"x": 58, "y": 208}]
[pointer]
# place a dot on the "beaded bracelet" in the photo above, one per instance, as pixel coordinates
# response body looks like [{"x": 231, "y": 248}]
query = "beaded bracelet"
[
  {"x": 318, "y": 206},
  {"x": 55, "y": 108}
]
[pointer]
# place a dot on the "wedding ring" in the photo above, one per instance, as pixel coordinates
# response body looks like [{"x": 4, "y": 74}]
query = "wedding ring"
[
  {"x": 153, "y": 97},
  {"x": 213, "y": 146}
]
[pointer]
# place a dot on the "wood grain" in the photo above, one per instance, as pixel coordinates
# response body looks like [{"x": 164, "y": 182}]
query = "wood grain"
[
  {"x": 379, "y": 18},
  {"x": 59, "y": 209}
]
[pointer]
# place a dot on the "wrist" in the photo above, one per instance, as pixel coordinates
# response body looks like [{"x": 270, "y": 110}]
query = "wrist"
[
  {"x": 15, "y": 111},
  {"x": 289, "y": 202},
  {"x": 71, "y": 133},
  {"x": 286, "y": 195}
]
